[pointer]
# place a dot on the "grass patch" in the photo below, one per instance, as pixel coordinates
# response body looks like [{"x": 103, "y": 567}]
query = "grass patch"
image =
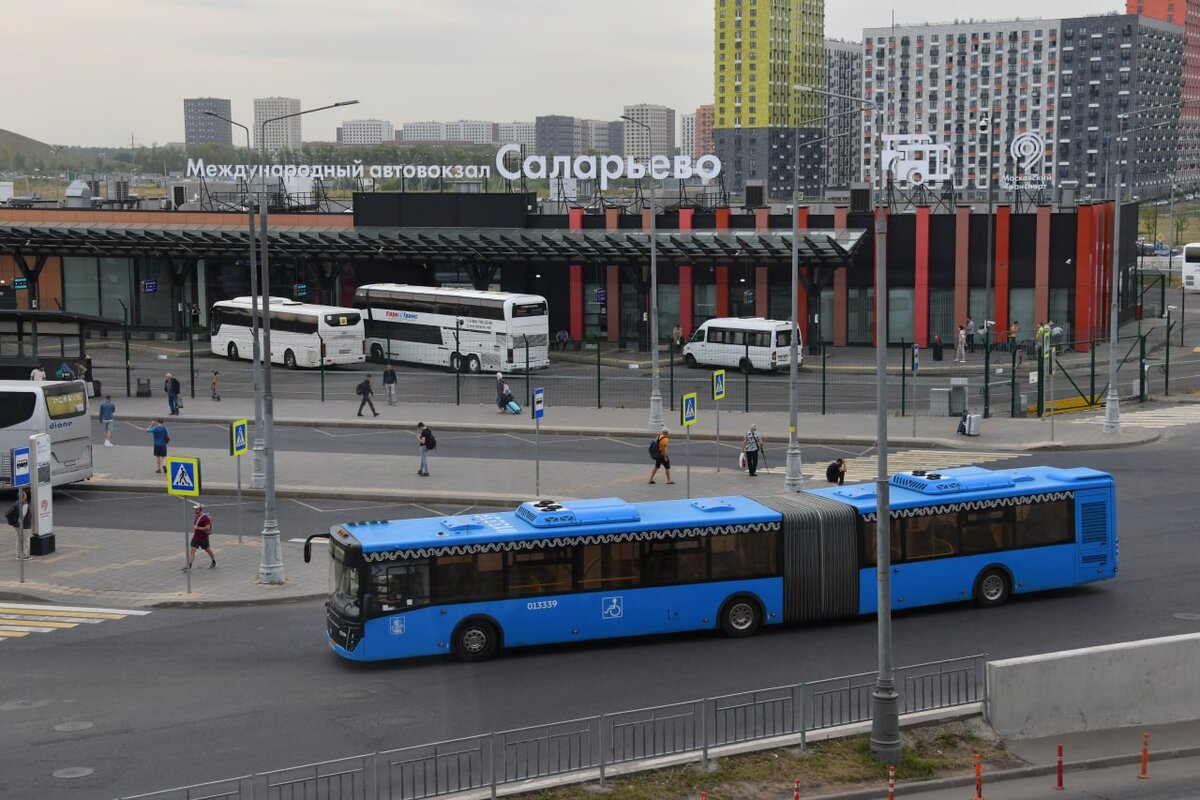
[{"x": 928, "y": 752}]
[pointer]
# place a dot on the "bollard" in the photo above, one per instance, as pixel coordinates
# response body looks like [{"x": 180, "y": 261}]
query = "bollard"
[
  {"x": 1059, "y": 785},
  {"x": 978, "y": 778},
  {"x": 796, "y": 790},
  {"x": 891, "y": 782},
  {"x": 704, "y": 796},
  {"x": 1145, "y": 754}
]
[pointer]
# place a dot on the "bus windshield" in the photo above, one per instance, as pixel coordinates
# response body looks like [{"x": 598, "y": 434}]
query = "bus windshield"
[
  {"x": 343, "y": 320},
  {"x": 343, "y": 583},
  {"x": 529, "y": 310},
  {"x": 65, "y": 401}
]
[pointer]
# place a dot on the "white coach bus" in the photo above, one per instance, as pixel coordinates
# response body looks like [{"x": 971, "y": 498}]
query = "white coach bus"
[
  {"x": 462, "y": 329},
  {"x": 59, "y": 408},
  {"x": 1191, "y": 267},
  {"x": 302, "y": 335}
]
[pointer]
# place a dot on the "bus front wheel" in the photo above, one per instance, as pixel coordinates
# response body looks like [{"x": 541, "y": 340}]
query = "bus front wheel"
[
  {"x": 232, "y": 351},
  {"x": 690, "y": 360},
  {"x": 476, "y": 640},
  {"x": 473, "y": 365},
  {"x": 377, "y": 353},
  {"x": 289, "y": 359},
  {"x": 745, "y": 366},
  {"x": 992, "y": 588},
  {"x": 740, "y": 617}
]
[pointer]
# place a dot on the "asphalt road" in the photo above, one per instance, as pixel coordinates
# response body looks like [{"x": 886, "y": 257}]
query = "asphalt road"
[{"x": 182, "y": 696}]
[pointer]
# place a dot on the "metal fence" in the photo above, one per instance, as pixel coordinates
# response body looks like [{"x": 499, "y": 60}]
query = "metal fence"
[{"x": 589, "y": 747}]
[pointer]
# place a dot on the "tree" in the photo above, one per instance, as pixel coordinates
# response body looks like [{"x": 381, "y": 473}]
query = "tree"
[{"x": 1150, "y": 221}]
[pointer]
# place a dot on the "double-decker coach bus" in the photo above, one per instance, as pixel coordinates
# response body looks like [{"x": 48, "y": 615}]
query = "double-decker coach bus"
[
  {"x": 462, "y": 329},
  {"x": 589, "y": 569}
]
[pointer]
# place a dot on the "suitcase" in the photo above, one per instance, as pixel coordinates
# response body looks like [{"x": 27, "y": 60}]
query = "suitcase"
[
  {"x": 973, "y": 424},
  {"x": 513, "y": 407}
]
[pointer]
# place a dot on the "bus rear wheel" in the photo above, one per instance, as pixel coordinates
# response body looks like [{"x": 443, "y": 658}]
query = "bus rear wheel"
[
  {"x": 289, "y": 359},
  {"x": 377, "y": 353},
  {"x": 690, "y": 360},
  {"x": 232, "y": 351},
  {"x": 473, "y": 365},
  {"x": 992, "y": 588},
  {"x": 455, "y": 362},
  {"x": 745, "y": 366},
  {"x": 476, "y": 640},
  {"x": 741, "y": 617}
]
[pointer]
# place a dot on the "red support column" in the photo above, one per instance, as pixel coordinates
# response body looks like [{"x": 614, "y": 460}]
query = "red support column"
[
  {"x": 575, "y": 320},
  {"x": 687, "y": 302},
  {"x": 921, "y": 280},
  {"x": 762, "y": 219},
  {"x": 802, "y": 217},
  {"x": 1003, "y": 217},
  {"x": 722, "y": 280},
  {"x": 841, "y": 217},
  {"x": 760, "y": 292},
  {"x": 1083, "y": 324},
  {"x": 962, "y": 272},
  {"x": 1041, "y": 267}
]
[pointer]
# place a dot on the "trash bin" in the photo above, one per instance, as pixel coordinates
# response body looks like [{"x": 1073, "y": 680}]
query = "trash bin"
[
  {"x": 1023, "y": 405},
  {"x": 143, "y": 387},
  {"x": 958, "y": 396},
  {"x": 939, "y": 402}
]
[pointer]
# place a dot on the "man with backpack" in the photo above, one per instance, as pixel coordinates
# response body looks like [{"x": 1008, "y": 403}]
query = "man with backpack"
[
  {"x": 658, "y": 451},
  {"x": 425, "y": 443},
  {"x": 364, "y": 391}
]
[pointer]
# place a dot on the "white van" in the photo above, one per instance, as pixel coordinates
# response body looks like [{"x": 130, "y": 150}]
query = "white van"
[{"x": 743, "y": 342}]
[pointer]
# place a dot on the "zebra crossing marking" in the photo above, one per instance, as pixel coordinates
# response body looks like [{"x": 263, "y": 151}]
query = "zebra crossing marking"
[
  {"x": 21, "y": 619},
  {"x": 862, "y": 468},
  {"x": 1152, "y": 417}
]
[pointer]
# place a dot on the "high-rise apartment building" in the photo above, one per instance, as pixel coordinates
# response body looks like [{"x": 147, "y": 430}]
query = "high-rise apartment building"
[
  {"x": 199, "y": 128},
  {"x": 762, "y": 52},
  {"x": 558, "y": 134},
  {"x": 593, "y": 136},
  {"x": 659, "y": 140},
  {"x": 1052, "y": 96},
  {"x": 687, "y": 134},
  {"x": 365, "y": 131},
  {"x": 704, "y": 130},
  {"x": 423, "y": 132},
  {"x": 1187, "y": 14},
  {"x": 281, "y": 133},
  {"x": 523, "y": 133},
  {"x": 471, "y": 131},
  {"x": 616, "y": 137},
  {"x": 844, "y": 117}
]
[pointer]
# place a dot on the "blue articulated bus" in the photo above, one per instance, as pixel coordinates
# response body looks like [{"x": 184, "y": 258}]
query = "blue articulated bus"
[{"x": 591, "y": 569}]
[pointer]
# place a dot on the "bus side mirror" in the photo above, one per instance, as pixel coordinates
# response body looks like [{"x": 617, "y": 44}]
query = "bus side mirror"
[{"x": 308, "y": 545}]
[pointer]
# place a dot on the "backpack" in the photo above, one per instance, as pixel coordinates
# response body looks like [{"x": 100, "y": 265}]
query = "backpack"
[
  {"x": 361, "y": 389},
  {"x": 14, "y": 514},
  {"x": 654, "y": 451},
  {"x": 430, "y": 441},
  {"x": 831, "y": 472}
]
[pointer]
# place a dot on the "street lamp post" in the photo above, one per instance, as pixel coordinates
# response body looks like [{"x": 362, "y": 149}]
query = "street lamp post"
[
  {"x": 270, "y": 567},
  {"x": 257, "y": 469},
  {"x": 656, "y": 402},
  {"x": 885, "y": 700}
]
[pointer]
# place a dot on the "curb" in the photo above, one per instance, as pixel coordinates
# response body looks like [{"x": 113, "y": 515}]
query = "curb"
[
  {"x": 53, "y": 597},
  {"x": 1016, "y": 773},
  {"x": 325, "y": 492}
]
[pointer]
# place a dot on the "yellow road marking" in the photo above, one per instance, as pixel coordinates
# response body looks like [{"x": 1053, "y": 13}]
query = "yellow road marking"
[
  {"x": 13, "y": 634},
  {"x": 53, "y": 613},
  {"x": 35, "y": 623}
]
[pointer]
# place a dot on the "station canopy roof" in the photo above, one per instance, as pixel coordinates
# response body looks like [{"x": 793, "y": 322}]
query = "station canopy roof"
[{"x": 832, "y": 248}]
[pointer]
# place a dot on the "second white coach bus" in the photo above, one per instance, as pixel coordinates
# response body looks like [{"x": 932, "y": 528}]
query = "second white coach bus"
[
  {"x": 1191, "y": 267},
  {"x": 302, "y": 335},
  {"x": 462, "y": 329}
]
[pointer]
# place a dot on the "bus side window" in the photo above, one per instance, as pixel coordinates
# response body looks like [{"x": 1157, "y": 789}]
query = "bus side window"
[
  {"x": 698, "y": 336},
  {"x": 401, "y": 585},
  {"x": 214, "y": 320}
]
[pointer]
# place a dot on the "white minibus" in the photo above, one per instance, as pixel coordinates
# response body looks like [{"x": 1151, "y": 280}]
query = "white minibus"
[
  {"x": 59, "y": 408},
  {"x": 743, "y": 342}
]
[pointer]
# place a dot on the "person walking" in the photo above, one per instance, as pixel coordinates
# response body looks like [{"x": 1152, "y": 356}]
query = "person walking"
[
  {"x": 970, "y": 334},
  {"x": 752, "y": 445},
  {"x": 662, "y": 459},
  {"x": 162, "y": 437},
  {"x": 836, "y": 472},
  {"x": 364, "y": 391},
  {"x": 677, "y": 338},
  {"x": 172, "y": 388},
  {"x": 201, "y": 528},
  {"x": 107, "y": 412},
  {"x": 960, "y": 348},
  {"x": 425, "y": 443},
  {"x": 501, "y": 388},
  {"x": 18, "y": 517},
  {"x": 212, "y": 385},
  {"x": 37, "y": 374},
  {"x": 389, "y": 383}
]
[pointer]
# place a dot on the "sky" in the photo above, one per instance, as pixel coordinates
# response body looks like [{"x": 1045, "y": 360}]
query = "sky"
[{"x": 108, "y": 73}]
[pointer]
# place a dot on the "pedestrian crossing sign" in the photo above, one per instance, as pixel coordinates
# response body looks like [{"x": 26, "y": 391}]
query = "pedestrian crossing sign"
[
  {"x": 687, "y": 410},
  {"x": 183, "y": 476},
  {"x": 718, "y": 384},
  {"x": 239, "y": 437}
]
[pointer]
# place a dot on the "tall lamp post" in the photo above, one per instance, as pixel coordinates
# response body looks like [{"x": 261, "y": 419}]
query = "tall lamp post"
[
  {"x": 270, "y": 567},
  {"x": 885, "y": 701},
  {"x": 257, "y": 471},
  {"x": 656, "y": 402}
]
